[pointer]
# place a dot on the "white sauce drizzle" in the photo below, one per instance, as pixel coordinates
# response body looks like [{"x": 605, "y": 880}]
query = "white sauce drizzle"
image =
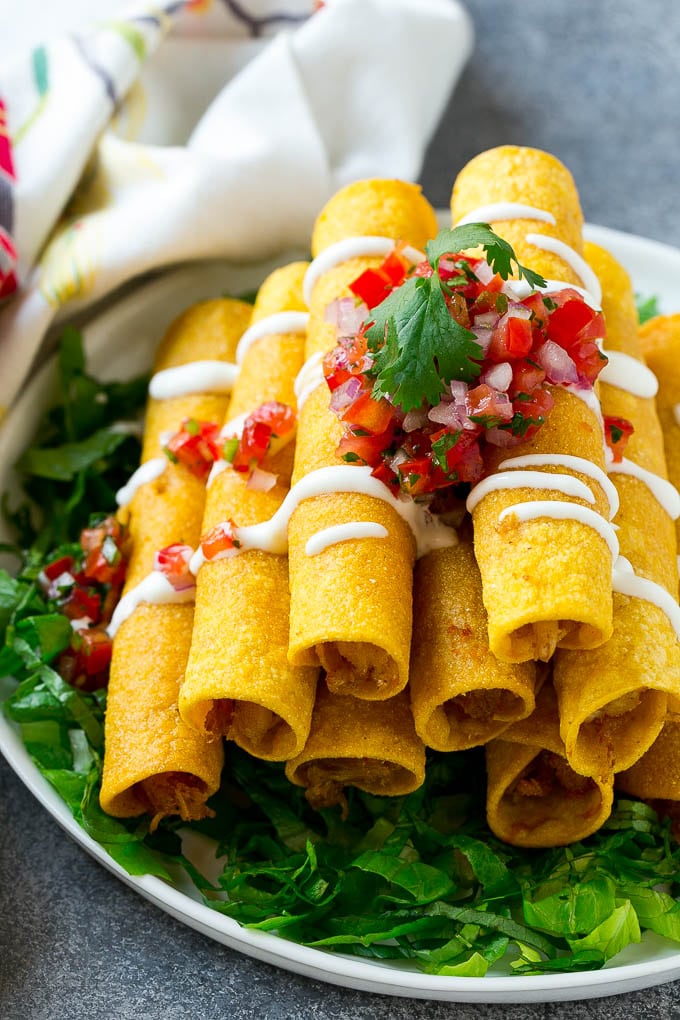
[
  {"x": 272, "y": 535},
  {"x": 629, "y": 374},
  {"x": 626, "y": 582},
  {"x": 194, "y": 377},
  {"x": 343, "y": 533},
  {"x": 309, "y": 378},
  {"x": 146, "y": 472},
  {"x": 566, "y": 484},
  {"x": 352, "y": 248},
  {"x": 580, "y": 464},
  {"x": 552, "y": 244},
  {"x": 155, "y": 589},
  {"x": 281, "y": 322},
  {"x": 496, "y": 211},
  {"x": 663, "y": 491},
  {"x": 522, "y": 289},
  {"x": 565, "y": 511}
]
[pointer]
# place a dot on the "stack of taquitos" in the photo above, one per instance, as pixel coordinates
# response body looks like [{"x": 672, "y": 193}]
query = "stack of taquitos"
[
  {"x": 154, "y": 762},
  {"x": 545, "y": 581},
  {"x": 240, "y": 641},
  {"x": 612, "y": 700},
  {"x": 351, "y": 603}
]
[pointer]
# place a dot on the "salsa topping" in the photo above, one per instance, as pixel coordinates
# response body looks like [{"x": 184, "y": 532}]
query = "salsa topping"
[
  {"x": 617, "y": 432},
  {"x": 452, "y": 358},
  {"x": 173, "y": 562},
  {"x": 220, "y": 540}
]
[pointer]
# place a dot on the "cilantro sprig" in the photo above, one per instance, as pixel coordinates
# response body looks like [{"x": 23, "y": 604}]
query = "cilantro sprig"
[{"x": 418, "y": 347}]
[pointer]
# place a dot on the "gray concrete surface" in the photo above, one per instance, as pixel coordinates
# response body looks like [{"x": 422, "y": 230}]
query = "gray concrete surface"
[{"x": 597, "y": 83}]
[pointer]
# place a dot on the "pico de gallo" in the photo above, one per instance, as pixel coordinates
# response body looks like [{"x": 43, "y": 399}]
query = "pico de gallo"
[{"x": 524, "y": 345}]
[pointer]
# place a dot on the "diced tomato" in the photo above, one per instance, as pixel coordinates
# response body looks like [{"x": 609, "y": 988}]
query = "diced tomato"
[
  {"x": 617, "y": 432},
  {"x": 371, "y": 287},
  {"x": 530, "y": 414},
  {"x": 82, "y": 602},
  {"x": 575, "y": 326},
  {"x": 519, "y": 338},
  {"x": 355, "y": 449},
  {"x": 280, "y": 417},
  {"x": 93, "y": 648},
  {"x": 463, "y": 458},
  {"x": 104, "y": 561},
  {"x": 220, "y": 539},
  {"x": 395, "y": 267},
  {"x": 197, "y": 445},
  {"x": 173, "y": 561},
  {"x": 369, "y": 415},
  {"x": 526, "y": 376},
  {"x": 53, "y": 570},
  {"x": 336, "y": 367},
  {"x": 487, "y": 406},
  {"x": 414, "y": 476},
  {"x": 384, "y": 473},
  {"x": 271, "y": 420}
]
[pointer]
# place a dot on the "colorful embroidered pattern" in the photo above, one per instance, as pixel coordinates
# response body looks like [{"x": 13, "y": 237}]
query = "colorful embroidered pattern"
[{"x": 8, "y": 253}]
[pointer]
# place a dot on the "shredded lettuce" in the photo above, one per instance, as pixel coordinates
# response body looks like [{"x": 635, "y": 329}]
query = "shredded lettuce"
[{"x": 417, "y": 879}]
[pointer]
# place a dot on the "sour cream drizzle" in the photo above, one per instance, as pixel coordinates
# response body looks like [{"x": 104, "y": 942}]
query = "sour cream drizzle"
[
  {"x": 308, "y": 379},
  {"x": 565, "y": 511},
  {"x": 281, "y": 322},
  {"x": 580, "y": 464},
  {"x": 552, "y": 244},
  {"x": 352, "y": 248},
  {"x": 627, "y": 582},
  {"x": 566, "y": 484},
  {"x": 146, "y": 472},
  {"x": 343, "y": 533},
  {"x": 663, "y": 491},
  {"x": 629, "y": 374},
  {"x": 154, "y": 588},
  {"x": 506, "y": 211},
  {"x": 194, "y": 377},
  {"x": 272, "y": 535}
]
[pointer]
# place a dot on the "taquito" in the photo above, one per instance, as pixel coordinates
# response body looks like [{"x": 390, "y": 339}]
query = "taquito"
[
  {"x": 238, "y": 680},
  {"x": 351, "y": 603},
  {"x": 461, "y": 694},
  {"x": 154, "y": 763},
  {"x": 534, "y": 797},
  {"x": 545, "y": 581},
  {"x": 612, "y": 699},
  {"x": 371, "y": 745}
]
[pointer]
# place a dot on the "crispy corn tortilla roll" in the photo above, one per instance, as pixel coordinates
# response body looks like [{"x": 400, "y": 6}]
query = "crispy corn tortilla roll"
[
  {"x": 154, "y": 763},
  {"x": 461, "y": 694},
  {"x": 660, "y": 342},
  {"x": 537, "y": 599},
  {"x": 612, "y": 700},
  {"x": 368, "y": 744},
  {"x": 351, "y": 603},
  {"x": 656, "y": 775},
  {"x": 240, "y": 641},
  {"x": 534, "y": 797}
]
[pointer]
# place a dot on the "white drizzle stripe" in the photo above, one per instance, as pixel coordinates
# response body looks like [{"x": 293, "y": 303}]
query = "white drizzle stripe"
[
  {"x": 664, "y": 492},
  {"x": 194, "y": 377},
  {"x": 146, "y": 472},
  {"x": 352, "y": 248},
  {"x": 522, "y": 289},
  {"x": 233, "y": 429},
  {"x": 626, "y": 582},
  {"x": 580, "y": 464},
  {"x": 629, "y": 374},
  {"x": 281, "y": 322},
  {"x": 343, "y": 533},
  {"x": 218, "y": 467},
  {"x": 155, "y": 589},
  {"x": 496, "y": 211},
  {"x": 546, "y": 242},
  {"x": 566, "y": 484},
  {"x": 525, "y": 512},
  {"x": 308, "y": 379},
  {"x": 272, "y": 535}
]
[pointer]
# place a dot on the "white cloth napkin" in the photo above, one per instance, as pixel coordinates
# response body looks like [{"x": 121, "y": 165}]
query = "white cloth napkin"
[{"x": 92, "y": 193}]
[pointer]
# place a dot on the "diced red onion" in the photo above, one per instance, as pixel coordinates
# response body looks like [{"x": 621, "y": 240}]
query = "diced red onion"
[
  {"x": 414, "y": 419},
  {"x": 483, "y": 336},
  {"x": 458, "y": 391},
  {"x": 516, "y": 310},
  {"x": 346, "y": 394},
  {"x": 489, "y": 318},
  {"x": 558, "y": 366},
  {"x": 450, "y": 413},
  {"x": 484, "y": 272},
  {"x": 502, "y": 438},
  {"x": 498, "y": 376},
  {"x": 346, "y": 315},
  {"x": 261, "y": 481}
]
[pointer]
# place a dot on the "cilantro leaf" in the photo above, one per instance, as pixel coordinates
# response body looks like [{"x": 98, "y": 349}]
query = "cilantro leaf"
[{"x": 499, "y": 254}]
